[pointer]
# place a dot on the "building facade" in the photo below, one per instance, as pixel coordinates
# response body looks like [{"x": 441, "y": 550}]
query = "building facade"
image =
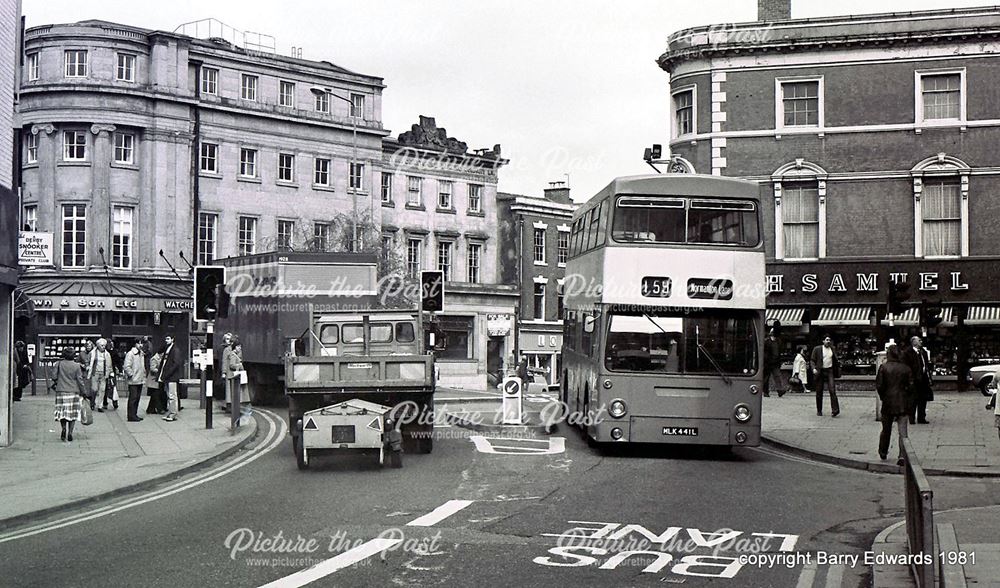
[
  {"x": 146, "y": 151},
  {"x": 440, "y": 212},
  {"x": 10, "y": 39},
  {"x": 873, "y": 139},
  {"x": 540, "y": 228}
]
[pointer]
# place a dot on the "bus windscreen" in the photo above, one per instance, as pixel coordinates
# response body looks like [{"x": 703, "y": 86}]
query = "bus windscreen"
[{"x": 693, "y": 343}]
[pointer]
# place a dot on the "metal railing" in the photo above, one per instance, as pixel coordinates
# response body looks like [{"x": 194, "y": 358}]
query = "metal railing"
[{"x": 920, "y": 540}]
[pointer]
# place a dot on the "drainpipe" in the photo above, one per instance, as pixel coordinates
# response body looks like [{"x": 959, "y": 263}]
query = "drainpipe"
[{"x": 196, "y": 162}]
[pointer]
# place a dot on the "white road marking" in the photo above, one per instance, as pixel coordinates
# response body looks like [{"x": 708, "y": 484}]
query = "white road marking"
[
  {"x": 339, "y": 562},
  {"x": 439, "y": 514},
  {"x": 807, "y": 576},
  {"x": 835, "y": 576},
  {"x": 276, "y": 435},
  {"x": 484, "y": 445}
]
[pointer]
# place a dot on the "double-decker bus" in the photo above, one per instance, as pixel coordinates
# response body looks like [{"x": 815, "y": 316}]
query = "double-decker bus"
[{"x": 664, "y": 312}]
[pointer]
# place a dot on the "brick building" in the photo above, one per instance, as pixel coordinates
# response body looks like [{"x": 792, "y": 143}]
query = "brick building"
[
  {"x": 439, "y": 212},
  {"x": 874, "y": 140},
  {"x": 540, "y": 228}
]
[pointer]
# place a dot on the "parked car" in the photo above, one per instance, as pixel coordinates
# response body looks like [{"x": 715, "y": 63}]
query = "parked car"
[{"x": 981, "y": 376}]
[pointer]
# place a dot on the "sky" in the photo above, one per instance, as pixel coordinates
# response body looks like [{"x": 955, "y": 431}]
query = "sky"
[{"x": 570, "y": 89}]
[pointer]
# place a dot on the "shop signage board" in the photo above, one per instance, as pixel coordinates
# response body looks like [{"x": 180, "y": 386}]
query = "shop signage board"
[
  {"x": 111, "y": 303},
  {"x": 34, "y": 248},
  {"x": 498, "y": 325}
]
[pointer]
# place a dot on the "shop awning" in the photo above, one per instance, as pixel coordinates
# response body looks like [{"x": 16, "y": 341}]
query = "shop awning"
[
  {"x": 843, "y": 316},
  {"x": 909, "y": 318},
  {"x": 113, "y": 294},
  {"x": 948, "y": 317},
  {"x": 983, "y": 315},
  {"x": 788, "y": 317}
]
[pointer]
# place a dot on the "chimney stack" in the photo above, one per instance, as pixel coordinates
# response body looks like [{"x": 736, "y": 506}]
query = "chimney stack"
[
  {"x": 772, "y": 10},
  {"x": 558, "y": 192}
]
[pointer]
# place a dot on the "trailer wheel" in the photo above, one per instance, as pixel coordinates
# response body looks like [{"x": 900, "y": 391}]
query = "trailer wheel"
[{"x": 301, "y": 453}]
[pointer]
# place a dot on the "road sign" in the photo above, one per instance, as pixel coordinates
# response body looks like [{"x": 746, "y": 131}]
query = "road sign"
[{"x": 513, "y": 411}]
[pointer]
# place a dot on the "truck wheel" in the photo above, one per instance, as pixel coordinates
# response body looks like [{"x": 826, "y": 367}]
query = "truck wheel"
[{"x": 301, "y": 454}]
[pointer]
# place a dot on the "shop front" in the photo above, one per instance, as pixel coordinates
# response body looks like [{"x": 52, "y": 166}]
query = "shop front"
[
  {"x": 476, "y": 340},
  {"x": 68, "y": 313},
  {"x": 847, "y": 301},
  {"x": 543, "y": 346}
]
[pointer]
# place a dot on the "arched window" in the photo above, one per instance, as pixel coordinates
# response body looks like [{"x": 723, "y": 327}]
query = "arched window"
[
  {"x": 799, "y": 211},
  {"x": 941, "y": 207}
]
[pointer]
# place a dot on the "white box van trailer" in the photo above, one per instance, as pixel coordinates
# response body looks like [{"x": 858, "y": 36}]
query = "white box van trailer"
[{"x": 350, "y": 426}]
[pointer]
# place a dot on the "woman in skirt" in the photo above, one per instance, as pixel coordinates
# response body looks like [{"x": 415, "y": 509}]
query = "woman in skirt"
[{"x": 70, "y": 386}]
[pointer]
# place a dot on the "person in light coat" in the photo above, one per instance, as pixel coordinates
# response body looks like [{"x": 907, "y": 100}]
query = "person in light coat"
[
  {"x": 800, "y": 368},
  {"x": 134, "y": 367},
  {"x": 100, "y": 369}
]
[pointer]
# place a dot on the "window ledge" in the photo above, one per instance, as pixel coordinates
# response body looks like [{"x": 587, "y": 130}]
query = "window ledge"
[
  {"x": 478, "y": 213},
  {"x": 415, "y": 207},
  {"x": 120, "y": 165},
  {"x": 357, "y": 192},
  {"x": 322, "y": 188},
  {"x": 287, "y": 184},
  {"x": 65, "y": 163},
  {"x": 445, "y": 210},
  {"x": 32, "y": 165},
  {"x": 541, "y": 263},
  {"x": 562, "y": 265},
  {"x": 248, "y": 179},
  {"x": 208, "y": 174},
  {"x": 388, "y": 204}
]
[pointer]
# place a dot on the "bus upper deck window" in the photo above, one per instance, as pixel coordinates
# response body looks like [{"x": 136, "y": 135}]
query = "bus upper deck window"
[
  {"x": 723, "y": 222},
  {"x": 649, "y": 220},
  {"x": 405, "y": 333}
]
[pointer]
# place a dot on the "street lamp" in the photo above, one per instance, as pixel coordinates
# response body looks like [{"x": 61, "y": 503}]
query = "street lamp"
[{"x": 321, "y": 91}]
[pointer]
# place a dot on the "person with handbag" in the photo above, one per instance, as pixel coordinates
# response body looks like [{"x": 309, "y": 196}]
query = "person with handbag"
[
  {"x": 100, "y": 370},
  {"x": 235, "y": 374},
  {"x": 83, "y": 358},
  {"x": 70, "y": 387},
  {"x": 800, "y": 371}
]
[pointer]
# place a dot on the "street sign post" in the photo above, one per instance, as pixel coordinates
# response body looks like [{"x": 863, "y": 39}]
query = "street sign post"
[{"x": 513, "y": 398}]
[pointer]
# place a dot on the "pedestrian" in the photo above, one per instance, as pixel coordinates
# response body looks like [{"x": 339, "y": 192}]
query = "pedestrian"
[
  {"x": 100, "y": 370},
  {"x": 232, "y": 373},
  {"x": 170, "y": 375},
  {"x": 919, "y": 361},
  {"x": 996, "y": 405},
  {"x": 800, "y": 371},
  {"x": 826, "y": 369},
  {"x": 894, "y": 384},
  {"x": 157, "y": 398},
  {"x": 22, "y": 367},
  {"x": 134, "y": 368},
  {"x": 522, "y": 370},
  {"x": 227, "y": 352},
  {"x": 83, "y": 358},
  {"x": 69, "y": 386},
  {"x": 772, "y": 364}
]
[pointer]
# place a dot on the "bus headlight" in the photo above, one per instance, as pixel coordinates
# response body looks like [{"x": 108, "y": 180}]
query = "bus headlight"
[
  {"x": 742, "y": 413},
  {"x": 616, "y": 434},
  {"x": 753, "y": 388},
  {"x": 617, "y": 408}
]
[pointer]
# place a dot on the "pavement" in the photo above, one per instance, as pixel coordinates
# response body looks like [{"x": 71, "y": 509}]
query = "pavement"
[{"x": 43, "y": 475}]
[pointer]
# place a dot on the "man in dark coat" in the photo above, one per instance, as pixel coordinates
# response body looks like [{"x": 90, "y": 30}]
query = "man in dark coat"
[
  {"x": 919, "y": 362},
  {"x": 170, "y": 375},
  {"x": 826, "y": 368},
  {"x": 894, "y": 383},
  {"x": 772, "y": 364}
]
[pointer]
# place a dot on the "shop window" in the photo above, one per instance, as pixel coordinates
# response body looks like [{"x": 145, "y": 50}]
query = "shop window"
[
  {"x": 72, "y": 319},
  {"x": 131, "y": 319},
  {"x": 457, "y": 337}
]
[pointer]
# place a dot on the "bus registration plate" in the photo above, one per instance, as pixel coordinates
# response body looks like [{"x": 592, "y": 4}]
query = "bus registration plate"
[
  {"x": 681, "y": 431},
  {"x": 656, "y": 286}
]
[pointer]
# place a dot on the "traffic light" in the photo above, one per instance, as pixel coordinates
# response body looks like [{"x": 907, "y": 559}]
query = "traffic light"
[
  {"x": 898, "y": 293},
  {"x": 930, "y": 314},
  {"x": 432, "y": 290},
  {"x": 209, "y": 291}
]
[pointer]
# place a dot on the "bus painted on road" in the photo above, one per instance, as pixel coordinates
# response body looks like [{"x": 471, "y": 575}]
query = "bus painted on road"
[{"x": 664, "y": 312}]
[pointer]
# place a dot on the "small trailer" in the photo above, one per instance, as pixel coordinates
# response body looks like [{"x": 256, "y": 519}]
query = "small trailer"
[{"x": 353, "y": 425}]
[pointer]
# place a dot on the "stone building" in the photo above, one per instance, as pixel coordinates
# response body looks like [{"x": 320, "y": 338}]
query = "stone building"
[
  {"x": 10, "y": 27},
  {"x": 439, "y": 212},
  {"x": 540, "y": 228},
  {"x": 144, "y": 151},
  {"x": 874, "y": 140}
]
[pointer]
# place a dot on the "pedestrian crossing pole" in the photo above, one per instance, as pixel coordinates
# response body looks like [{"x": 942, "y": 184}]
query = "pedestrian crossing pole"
[{"x": 209, "y": 371}]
